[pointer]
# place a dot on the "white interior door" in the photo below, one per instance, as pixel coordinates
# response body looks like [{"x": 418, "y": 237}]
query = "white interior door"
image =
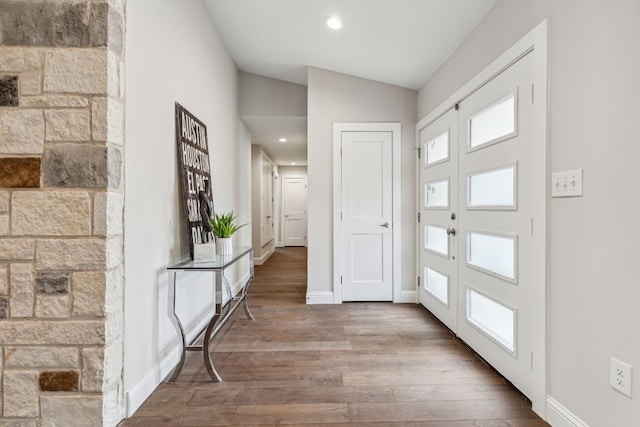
[
  {"x": 266, "y": 205},
  {"x": 294, "y": 200},
  {"x": 367, "y": 216},
  {"x": 438, "y": 218},
  {"x": 478, "y": 267}
]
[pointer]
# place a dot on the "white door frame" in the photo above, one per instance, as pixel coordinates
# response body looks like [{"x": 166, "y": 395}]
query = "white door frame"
[
  {"x": 536, "y": 44},
  {"x": 282, "y": 206},
  {"x": 396, "y": 228},
  {"x": 266, "y": 205}
]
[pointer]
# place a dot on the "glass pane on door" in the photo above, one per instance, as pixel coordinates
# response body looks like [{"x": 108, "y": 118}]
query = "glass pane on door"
[
  {"x": 493, "y": 123},
  {"x": 437, "y": 149},
  {"x": 436, "y": 239},
  {"x": 436, "y": 194},
  {"x": 492, "y": 254},
  {"x": 492, "y": 189},
  {"x": 494, "y": 319},
  {"x": 437, "y": 285}
]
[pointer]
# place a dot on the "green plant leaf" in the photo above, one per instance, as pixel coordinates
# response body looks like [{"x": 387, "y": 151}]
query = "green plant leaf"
[{"x": 223, "y": 225}]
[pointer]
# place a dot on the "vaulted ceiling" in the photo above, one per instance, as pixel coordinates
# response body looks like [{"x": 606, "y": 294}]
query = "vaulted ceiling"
[{"x": 399, "y": 42}]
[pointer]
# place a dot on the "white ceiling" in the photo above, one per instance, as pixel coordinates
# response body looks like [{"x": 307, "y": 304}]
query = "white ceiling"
[
  {"x": 399, "y": 42},
  {"x": 267, "y": 130}
]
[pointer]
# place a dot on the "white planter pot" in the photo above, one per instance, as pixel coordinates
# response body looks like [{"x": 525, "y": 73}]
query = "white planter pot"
[{"x": 224, "y": 246}]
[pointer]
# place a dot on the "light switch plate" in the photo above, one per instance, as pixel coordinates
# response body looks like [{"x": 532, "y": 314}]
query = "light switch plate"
[{"x": 566, "y": 184}]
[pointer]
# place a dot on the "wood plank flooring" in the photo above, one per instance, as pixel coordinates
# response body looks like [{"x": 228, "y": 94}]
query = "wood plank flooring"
[{"x": 365, "y": 364}]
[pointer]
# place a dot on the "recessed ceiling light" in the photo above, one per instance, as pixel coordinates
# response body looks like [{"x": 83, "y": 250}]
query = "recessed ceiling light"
[
  {"x": 293, "y": 163},
  {"x": 282, "y": 140},
  {"x": 333, "y": 22}
]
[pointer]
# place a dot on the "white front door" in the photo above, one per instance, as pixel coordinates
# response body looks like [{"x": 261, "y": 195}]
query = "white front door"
[
  {"x": 365, "y": 241},
  {"x": 294, "y": 201},
  {"x": 479, "y": 181},
  {"x": 496, "y": 232},
  {"x": 438, "y": 165}
]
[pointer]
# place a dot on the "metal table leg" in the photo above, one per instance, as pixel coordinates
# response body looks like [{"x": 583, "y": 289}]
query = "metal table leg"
[
  {"x": 176, "y": 321},
  {"x": 245, "y": 289},
  {"x": 245, "y": 306},
  {"x": 206, "y": 352}
]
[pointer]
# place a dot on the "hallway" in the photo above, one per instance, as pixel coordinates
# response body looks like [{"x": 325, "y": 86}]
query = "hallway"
[{"x": 361, "y": 364}]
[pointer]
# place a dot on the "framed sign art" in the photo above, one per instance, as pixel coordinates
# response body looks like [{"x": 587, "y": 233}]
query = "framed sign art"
[{"x": 195, "y": 176}]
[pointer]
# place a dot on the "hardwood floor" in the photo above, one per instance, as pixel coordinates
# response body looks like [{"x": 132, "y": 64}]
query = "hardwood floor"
[{"x": 366, "y": 364}]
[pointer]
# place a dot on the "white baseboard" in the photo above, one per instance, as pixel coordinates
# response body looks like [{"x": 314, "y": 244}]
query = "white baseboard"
[
  {"x": 237, "y": 286},
  {"x": 406, "y": 297},
  {"x": 265, "y": 256},
  {"x": 143, "y": 389},
  {"x": 327, "y": 297},
  {"x": 319, "y": 297},
  {"x": 559, "y": 416}
]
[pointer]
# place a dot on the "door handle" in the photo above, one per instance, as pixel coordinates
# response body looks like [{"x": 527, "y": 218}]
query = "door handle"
[
  {"x": 385, "y": 225},
  {"x": 451, "y": 231}
]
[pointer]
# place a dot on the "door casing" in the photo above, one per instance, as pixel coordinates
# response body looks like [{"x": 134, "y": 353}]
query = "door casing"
[
  {"x": 396, "y": 229},
  {"x": 266, "y": 201},
  {"x": 285, "y": 197}
]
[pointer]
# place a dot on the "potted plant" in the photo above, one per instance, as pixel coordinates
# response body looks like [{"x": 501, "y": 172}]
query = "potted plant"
[{"x": 223, "y": 226}]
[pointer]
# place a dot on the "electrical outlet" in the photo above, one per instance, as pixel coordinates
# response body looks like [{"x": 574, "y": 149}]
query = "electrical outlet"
[
  {"x": 620, "y": 376},
  {"x": 566, "y": 184}
]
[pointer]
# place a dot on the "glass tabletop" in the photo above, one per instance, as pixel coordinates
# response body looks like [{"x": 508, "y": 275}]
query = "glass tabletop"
[{"x": 218, "y": 263}]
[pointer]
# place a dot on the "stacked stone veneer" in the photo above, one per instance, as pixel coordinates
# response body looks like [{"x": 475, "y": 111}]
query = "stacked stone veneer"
[{"x": 61, "y": 205}]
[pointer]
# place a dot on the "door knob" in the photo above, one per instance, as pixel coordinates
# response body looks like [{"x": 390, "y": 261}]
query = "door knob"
[
  {"x": 385, "y": 225},
  {"x": 451, "y": 231}
]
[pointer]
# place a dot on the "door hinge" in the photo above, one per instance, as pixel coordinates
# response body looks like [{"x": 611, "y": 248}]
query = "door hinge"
[
  {"x": 531, "y": 227},
  {"x": 418, "y": 216},
  {"x": 419, "y": 150},
  {"x": 418, "y": 282},
  {"x": 340, "y": 216},
  {"x": 533, "y": 93},
  {"x": 532, "y": 360},
  {"x": 341, "y": 280}
]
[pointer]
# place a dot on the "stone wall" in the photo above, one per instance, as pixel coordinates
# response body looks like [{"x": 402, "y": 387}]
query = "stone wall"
[{"x": 61, "y": 205}]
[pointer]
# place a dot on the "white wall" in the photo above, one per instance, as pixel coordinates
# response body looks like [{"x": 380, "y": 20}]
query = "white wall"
[
  {"x": 334, "y": 97},
  {"x": 173, "y": 54},
  {"x": 292, "y": 171},
  {"x": 263, "y": 96},
  {"x": 593, "y": 287}
]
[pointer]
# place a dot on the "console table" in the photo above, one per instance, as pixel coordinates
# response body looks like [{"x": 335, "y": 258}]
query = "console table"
[{"x": 223, "y": 309}]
